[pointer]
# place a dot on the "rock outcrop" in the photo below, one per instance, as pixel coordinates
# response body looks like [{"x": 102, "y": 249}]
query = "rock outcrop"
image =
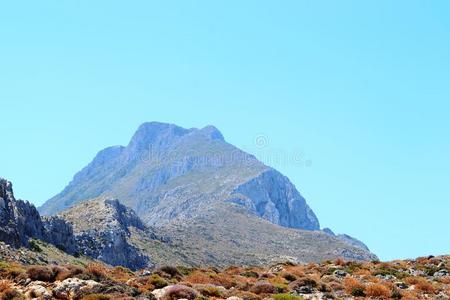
[
  {"x": 60, "y": 233},
  {"x": 20, "y": 221},
  {"x": 273, "y": 197},
  {"x": 102, "y": 231}
]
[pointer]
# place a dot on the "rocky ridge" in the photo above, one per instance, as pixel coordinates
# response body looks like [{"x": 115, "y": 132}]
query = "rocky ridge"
[
  {"x": 102, "y": 231},
  {"x": 20, "y": 221}
]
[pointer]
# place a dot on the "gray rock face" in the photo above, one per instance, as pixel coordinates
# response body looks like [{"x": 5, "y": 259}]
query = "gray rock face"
[
  {"x": 171, "y": 176},
  {"x": 8, "y": 223},
  {"x": 101, "y": 228},
  {"x": 20, "y": 221},
  {"x": 166, "y": 171},
  {"x": 273, "y": 197},
  {"x": 60, "y": 234}
]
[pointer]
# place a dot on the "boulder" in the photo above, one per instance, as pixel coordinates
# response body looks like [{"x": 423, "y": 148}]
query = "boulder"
[{"x": 74, "y": 288}]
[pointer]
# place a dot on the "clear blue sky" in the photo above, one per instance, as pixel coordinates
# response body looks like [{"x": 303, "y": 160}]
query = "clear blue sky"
[{"x": 359, "y": 89}]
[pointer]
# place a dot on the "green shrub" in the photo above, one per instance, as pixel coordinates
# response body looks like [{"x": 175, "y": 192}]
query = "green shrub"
[
  {"x": 34, "y": 246},
  {"x": 251, "y": 274},
  {"x": 286, "y": 296},
  {"x": 210, "y": 291},
  {"x": 157, "y": 281},
  {"x": 281, "y": 288}
]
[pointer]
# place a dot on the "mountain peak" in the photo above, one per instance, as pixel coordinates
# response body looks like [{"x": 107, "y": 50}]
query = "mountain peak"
[
  {"x": 212, "y": 132},
  {"x": 155, "y": 134}
]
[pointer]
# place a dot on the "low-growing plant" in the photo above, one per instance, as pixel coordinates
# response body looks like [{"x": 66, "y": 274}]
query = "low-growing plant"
[
  {"x": 10, "y": 270},
  {"x": 377, "y": 290},
  {"x": 223, "y": 280},
  {"x": 96, "y": 297},
  {"x": 286, "y": 296},
  {"x": 99, "y": 271},
  {"x": 306, "y": 281},
  {"x": 263, "y": 287},
  {"x": 209, "y": 290},
  {"x": 425, "y": 287},
  {"x": 11, "y": 294},
  {"x": 354, "y": 287},
  {"x": 180, "y": 292},
  {"x": 157, "y": 281},
  {"x": 289, "y": 277},
  {"x": 198, "y": 277},
  {"x": 121, "y": 274},
  {"x": 281, "y": 288},
  {"x": 184, "y": 270},
  {"x": 61, "y": 273},
  {"x": 5, "y": 285},
  {"x": 250, "y": 273},
  {"x": 169, "y": 270},
  {"x": 245, "y": 295},
  {"x": 34, "y": 246},
  {"x": 41, "y": 273}
]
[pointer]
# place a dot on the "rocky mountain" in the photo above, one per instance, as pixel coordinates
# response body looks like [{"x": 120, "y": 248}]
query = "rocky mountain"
[
  {"x": 168, "y": 172},
  {"x": 214, "y": 203},
  {"x": 20, "y": 221},
  {"x": 102, "y": 231}
]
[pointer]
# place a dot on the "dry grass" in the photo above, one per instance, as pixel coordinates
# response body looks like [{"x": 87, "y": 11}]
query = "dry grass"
[
  {"x": 41, "y": 273},
  {"x": 198, "y": 277},
  {"x": 5, "y": 285},
  {"x": 97, "y": 270},
  {"x": 378, "y": 290},
  {"x": 11, "y": 294},
  {"x": 354, "y": 287},
  {"x": 425, "y": 287}
]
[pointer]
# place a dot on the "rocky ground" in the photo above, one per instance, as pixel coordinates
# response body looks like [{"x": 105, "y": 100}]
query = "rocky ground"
[{"x": 422, "y": 278}]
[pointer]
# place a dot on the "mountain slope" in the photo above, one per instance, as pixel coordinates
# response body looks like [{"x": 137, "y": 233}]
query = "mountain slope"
[
  {"x": 168, "y": 172},
  {"x": 215, "y": 203}
]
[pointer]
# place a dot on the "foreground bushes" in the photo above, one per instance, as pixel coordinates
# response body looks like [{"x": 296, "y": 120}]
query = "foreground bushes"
[{"x": 338, "y": 279}]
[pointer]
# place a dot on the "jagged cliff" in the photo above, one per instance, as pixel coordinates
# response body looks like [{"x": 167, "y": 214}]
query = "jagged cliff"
[{"x": 20, "y": 221}]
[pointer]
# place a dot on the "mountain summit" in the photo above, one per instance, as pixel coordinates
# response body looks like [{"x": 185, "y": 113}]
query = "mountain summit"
[
  {"x": 168, "y": 172},
  {"x": 213, "y": 201}
]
